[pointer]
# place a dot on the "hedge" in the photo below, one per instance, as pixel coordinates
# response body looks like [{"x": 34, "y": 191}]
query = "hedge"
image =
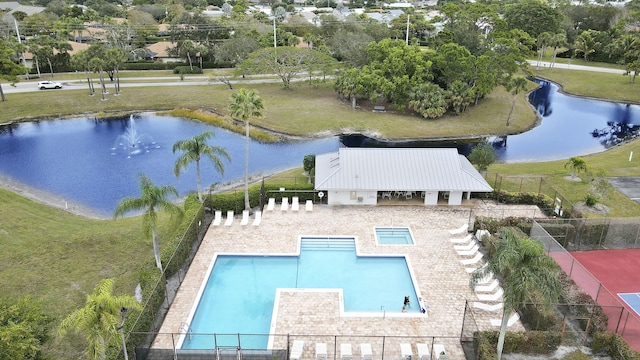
[
  {"x": 607, "y": 343},
  {"x": 186, "y": 69},
  {"x": 530, "y": 342},
  {"x": 234, "y": 201}
]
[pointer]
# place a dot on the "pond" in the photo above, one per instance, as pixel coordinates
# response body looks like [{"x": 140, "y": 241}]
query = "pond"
[
  {"x": 570, "y": 126},
  {"x": 90, "y": 162},
  {"x": 95, "y": 162}
]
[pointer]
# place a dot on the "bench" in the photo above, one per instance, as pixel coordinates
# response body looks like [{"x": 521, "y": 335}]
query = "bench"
[{"x": 379, "y": 109}]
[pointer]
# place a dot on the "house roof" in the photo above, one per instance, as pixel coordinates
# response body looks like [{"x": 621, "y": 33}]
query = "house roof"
[
  {"x": 401, "y": 169},
  {"x": 160, "y": 48}
]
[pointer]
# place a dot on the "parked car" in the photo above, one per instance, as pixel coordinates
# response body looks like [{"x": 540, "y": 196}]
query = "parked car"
[{"x": 49, "y": 85}]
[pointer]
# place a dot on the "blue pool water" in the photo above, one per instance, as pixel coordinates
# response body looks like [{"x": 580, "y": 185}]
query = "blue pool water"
[
  {"x": 239, "y": 295},
  {"x": 394, "y": 236}
]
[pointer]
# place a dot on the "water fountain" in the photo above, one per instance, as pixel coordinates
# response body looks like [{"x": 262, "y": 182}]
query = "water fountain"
[{"x": 133, "y": 143}]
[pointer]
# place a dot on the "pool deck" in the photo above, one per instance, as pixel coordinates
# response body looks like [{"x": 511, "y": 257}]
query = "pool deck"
[{"x": 440, "y": 276}]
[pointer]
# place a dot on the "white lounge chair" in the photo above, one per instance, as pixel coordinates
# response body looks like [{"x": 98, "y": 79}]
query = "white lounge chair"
[
  {"x": 308, "y": 206},
  {"x": 464, "y": 240},
  {"x": 285, "y": 204},
  {"x": 467, "y": 247},
  {"x": 491, "y": 297},
  {"x": 487, "y": 279},
  {"x": 489, "y": 287},
  {"x": 345, "y": 352},
  {"x": 229, "y": 220},
  {"x": 295, "y": 205},
  {"x": 272, "y": 204},
  {"x": 321, "y": 351},
  {"x": 459, "y": 230},
  {"x": 406, "y": 352},
  {"x": 218, "y": 218},
  {"x": 473, "y": 251},
  {"x": 423, "y": 351},
  {"x": 472, "y": 261},
  {"x": 296, "y": 350},
  {"x": 512, "y": 320},
  {"x": 365, "y": 351},
  {"x": 257, "y": 218},
  {"x": 488, "y": 307},
  {"x": 245, "y": 217},
  {"x": 438, "y": 351}
]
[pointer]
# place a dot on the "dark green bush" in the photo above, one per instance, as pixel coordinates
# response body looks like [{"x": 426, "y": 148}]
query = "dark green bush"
[
  {"x": 563, "y": 232},
  {"x": 530, "y": 342},
  {"x": 149, "y": 65},
  {"x": 187, "y": 70},
  {"x": 185, "y": 235},
  {"x": 607, "y": 343}
]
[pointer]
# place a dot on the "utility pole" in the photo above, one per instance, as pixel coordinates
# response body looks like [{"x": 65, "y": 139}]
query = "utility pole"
[
  {"x": 407, "y": 38},
  {"x": 24, "y": 61},
  {"x": 274, "y": 33}
]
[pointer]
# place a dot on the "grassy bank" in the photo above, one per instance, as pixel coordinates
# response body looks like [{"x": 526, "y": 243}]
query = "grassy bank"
[
  {"x": 614, "y": 162},
  {"x": 58, "y": 258},
  {"x": 303, "y": 111},
  {"x": 615, "y": 87}
]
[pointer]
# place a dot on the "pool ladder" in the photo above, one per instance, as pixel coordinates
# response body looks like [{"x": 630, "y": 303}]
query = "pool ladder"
[
  {"x": 384, "y": 311},
  {"x": 186, "y": 329}
]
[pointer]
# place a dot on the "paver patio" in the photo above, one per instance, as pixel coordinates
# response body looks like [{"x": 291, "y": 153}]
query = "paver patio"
[{"x": 439, "y": 274}]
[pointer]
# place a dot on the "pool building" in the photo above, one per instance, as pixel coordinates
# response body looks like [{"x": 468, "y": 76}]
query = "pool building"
[{"x": 322, "y": 314}]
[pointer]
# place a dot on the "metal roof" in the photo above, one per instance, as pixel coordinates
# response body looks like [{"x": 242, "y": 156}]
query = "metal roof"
[{"x": 401, "y": 169}]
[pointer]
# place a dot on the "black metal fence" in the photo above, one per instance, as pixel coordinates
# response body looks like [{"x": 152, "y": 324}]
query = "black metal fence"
[
  {"x": 621, "y": 320},
  {"x": 334, "y": 346}
]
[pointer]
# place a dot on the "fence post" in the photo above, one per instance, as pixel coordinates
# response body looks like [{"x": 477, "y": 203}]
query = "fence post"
[{"x": 539, "y": 187}]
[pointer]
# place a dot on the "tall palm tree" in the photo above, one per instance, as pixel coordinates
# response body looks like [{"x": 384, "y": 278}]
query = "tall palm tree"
[
  {"x": 544, "y": 39},
  {"x": 557, "y": 41},
  {"x": 99, "y": 319},
  {"x": 586, "y": 44},
  {"x": 193, "y": 149},
  {"x": 246, "y": 104},
  {"x": 576, "y": 164},
  {"x": 515, "y": 86},
  {"x": 152, "y": 198},
  {"x": 527, "y": 274}
]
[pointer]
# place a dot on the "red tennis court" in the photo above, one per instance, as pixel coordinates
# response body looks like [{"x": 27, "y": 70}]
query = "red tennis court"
[{"x": 619, "y": 272}]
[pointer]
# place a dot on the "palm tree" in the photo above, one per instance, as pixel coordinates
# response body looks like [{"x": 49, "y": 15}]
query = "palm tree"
[
  {"x": 246, "y": 104},
  {"x": 526, "y": 274},
  {"x": 544, "y": 39},
  {"x": 557, "y": 40},
  {"x": 99, "y": 319},
  {"x": 515, "y": 85},
  {"x": 586, "y": 44},
  {"x": 193, "y": 149},
  {"x": 152, "y": 199},
  {"x": 576, "y": 164}
]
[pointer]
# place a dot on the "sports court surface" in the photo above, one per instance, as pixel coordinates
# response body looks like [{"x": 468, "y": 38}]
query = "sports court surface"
[{"x": 619, "y": 271}]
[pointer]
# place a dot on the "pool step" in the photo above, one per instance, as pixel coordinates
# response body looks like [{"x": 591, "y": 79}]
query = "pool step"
[{"x": 327, "y": 244}]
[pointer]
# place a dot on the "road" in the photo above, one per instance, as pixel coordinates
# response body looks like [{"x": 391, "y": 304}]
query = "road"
[
  {"x": 129, "y": 82},
  {"x": 545, "y": 64},
  {"x": 30, "y": 85}
]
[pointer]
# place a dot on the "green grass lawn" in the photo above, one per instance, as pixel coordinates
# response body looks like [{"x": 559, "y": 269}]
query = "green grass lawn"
[
  {"x": 58, "y": 257},
  {"x": 593, "y": 84},
  {"x": 322, "y": 114}
]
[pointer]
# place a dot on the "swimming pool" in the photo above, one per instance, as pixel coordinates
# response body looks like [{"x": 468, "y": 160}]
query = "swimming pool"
[
  {"x": 239, "y": 295},
  {"x": 394, "y": 236}
]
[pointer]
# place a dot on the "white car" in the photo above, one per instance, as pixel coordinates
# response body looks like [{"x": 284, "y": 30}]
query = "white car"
[{"x": 49, "y": 85}]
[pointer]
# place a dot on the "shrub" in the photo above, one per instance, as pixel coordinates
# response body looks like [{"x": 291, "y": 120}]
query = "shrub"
[
  {"x": 606, "y": 343},
  {"x": 591, "y": 200},
  {"x": 531, "y": 342},
  {"x": 187, "y": 70}
]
